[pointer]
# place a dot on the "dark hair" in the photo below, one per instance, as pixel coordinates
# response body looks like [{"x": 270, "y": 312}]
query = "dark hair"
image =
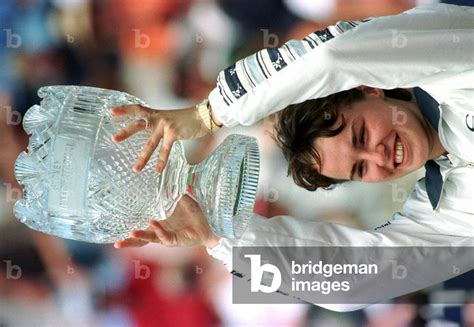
[{"x": 299, "y": 125}]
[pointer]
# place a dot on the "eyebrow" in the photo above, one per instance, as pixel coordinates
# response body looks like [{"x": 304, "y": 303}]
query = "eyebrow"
[{"x": 351, "y": 177}]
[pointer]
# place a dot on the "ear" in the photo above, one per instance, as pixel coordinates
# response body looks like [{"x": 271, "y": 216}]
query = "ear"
[{"x": 372, "y": 91}]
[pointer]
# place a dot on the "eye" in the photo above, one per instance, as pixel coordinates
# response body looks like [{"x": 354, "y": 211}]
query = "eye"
[
  {"x": 361, "y": 169},
  {"x": 362, "y": 134}
]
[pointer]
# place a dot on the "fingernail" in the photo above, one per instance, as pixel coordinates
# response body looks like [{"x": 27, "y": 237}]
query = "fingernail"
[{"x": 160, "y": 165}]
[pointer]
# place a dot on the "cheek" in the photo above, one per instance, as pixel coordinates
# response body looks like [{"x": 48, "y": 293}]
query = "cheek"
[
  {"x": 417, "y": 138},
  {"x": 380, "y": 124}
]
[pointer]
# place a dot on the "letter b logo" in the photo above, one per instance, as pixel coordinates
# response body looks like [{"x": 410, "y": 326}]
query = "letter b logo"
[{"x": 256, "y": 272}]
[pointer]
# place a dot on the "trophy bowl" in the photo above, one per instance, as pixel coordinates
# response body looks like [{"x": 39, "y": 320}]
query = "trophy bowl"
[{"x": 78, "y": 183}]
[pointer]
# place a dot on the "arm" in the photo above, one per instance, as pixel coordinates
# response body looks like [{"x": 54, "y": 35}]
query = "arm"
[
  {"x": 406, "y": 50},
  {"x": 407, "y": 251}
]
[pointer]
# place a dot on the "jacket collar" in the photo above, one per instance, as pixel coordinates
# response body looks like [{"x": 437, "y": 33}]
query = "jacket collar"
[{"x": 429, "y": 107}]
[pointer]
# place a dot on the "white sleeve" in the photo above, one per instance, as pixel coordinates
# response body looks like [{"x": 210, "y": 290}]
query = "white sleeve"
[
  {"x": 409, "y": 229},
  {"x": 411, "y": 49}
]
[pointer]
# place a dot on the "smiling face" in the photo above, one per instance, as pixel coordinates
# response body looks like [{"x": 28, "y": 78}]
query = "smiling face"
[{"x": 382, "y": 139}]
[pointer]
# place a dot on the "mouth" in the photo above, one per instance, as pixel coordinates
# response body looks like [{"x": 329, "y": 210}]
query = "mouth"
[{"x": 399, "y": 153}]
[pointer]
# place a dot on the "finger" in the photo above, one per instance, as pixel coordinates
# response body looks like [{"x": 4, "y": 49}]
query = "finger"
[
  {"x": 165, "y": 150},
  {"x": 128, "y": 110},
  {"x": 167, "y": 238},
  {"x": 148, "y": 235},
  {"x": 147, "y": 151},
  {"x": 130, "y": 242},
  {"x": 131, "y": 128}
]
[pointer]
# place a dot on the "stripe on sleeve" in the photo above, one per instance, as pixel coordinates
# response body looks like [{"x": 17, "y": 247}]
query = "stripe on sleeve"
[
  {"x": 233, "y": 82},
  {"x": 276, "y": 59},
  {"x": 238, "y": 79}
]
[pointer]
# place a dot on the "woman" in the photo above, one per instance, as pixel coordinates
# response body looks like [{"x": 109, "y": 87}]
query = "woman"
[{"x": 355, "y": 130}]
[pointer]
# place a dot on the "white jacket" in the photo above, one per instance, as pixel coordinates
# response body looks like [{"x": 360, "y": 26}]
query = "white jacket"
[{"x": 431, "y": 47}]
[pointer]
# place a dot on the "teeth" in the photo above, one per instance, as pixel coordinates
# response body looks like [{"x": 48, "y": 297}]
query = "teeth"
[{"x": 399, "y": 152}]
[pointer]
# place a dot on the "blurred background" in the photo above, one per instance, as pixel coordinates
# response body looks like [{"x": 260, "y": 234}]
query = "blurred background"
[{"x": 169, "y": 52}]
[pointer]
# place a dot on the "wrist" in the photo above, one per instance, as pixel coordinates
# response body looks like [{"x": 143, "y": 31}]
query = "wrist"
[
  {"x": 208, "y": 118},
  {"x": 214, "y": 117}
]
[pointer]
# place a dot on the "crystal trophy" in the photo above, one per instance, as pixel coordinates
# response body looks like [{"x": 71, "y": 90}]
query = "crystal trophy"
[{"x": 78, "y": 183}]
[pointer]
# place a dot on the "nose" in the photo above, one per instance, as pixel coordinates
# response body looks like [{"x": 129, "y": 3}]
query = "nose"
[{"x": 378, "y": 155}]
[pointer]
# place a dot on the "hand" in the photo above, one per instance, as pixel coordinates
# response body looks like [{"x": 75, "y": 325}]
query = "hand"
[
  {"x": 187, "y": 226},
  {"x": 169, "y": 125}
]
